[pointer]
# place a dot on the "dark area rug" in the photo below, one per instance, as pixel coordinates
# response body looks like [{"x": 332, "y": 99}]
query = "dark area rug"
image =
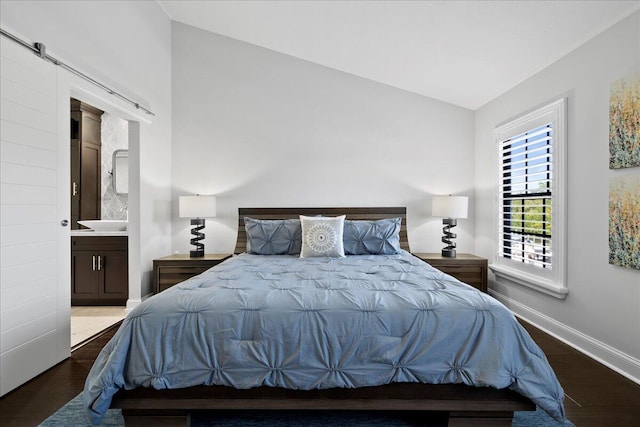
[{"x": 72, "y": 415}]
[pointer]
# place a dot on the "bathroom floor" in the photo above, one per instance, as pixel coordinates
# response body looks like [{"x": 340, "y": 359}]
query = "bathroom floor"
[{"x": 88, "y": 321}]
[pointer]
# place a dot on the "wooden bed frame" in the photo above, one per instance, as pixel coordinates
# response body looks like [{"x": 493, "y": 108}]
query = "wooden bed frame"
[{"x": 455, "y": 404}]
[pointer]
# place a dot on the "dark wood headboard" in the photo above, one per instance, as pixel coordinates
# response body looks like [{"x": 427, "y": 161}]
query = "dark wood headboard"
[{"x": 351, "y": 213}]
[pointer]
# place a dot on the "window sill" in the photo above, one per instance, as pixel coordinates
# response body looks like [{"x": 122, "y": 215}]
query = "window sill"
[{"x": 529, "y": 280}]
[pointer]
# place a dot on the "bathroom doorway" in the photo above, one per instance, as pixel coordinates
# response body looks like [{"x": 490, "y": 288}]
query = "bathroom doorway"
[{"x": 99, "y": 192}]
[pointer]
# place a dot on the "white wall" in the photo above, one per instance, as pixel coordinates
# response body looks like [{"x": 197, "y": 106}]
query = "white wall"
[
  {"x": 259, "y": 128},
  {"x": 601, "y": 314},
  {"x": 126, "y": 45}
]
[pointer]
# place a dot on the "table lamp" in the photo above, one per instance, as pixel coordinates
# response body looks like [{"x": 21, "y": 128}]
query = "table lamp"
[
  {"x": 197, "y": 208},
  {"x": 450, "y": 208}
]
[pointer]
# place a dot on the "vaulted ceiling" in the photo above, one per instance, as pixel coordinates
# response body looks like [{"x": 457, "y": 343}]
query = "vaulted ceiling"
[{"x": 462, "y": 52}]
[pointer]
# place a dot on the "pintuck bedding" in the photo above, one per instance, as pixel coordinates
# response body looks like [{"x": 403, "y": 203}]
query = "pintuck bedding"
[{"x": 313, "y": 323}]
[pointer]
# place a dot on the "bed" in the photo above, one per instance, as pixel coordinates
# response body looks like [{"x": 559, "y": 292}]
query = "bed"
[{"x": 359, "y": 332}]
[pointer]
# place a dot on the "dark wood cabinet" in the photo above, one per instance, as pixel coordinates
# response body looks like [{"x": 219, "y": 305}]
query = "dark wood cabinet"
[
  {"x": 99, "y": 270},
  {"x": 173, "y": 269},
  {"x": 467, "y": 268},
  {"x": 86, "y": 162}
]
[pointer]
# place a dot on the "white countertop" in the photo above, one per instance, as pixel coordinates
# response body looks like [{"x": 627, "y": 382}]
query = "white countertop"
[{"x": 87, "y": 232}]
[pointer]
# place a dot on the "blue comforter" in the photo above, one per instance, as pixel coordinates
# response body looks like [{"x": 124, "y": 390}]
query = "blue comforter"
[{"x": 312, "y": 323}]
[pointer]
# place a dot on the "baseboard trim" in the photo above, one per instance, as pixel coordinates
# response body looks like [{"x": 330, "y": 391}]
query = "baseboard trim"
[{"x": 611, "y": 357}]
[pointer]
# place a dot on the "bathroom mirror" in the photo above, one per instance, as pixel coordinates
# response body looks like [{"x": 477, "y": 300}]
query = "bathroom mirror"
[{"x": 120, "y": 174}]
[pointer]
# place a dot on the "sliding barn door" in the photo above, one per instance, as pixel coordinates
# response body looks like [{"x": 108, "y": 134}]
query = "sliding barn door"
[{"x": 34, "y": 246}]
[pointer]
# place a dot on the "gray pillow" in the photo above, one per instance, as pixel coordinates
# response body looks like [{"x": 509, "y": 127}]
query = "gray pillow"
[
  {"x": 322, "y": 236},
  {"x": 381, "y": 237},
  {"x": 273, "y": 237}
]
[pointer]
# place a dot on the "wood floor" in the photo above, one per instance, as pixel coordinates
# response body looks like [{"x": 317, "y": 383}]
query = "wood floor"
[{"x": 595, "y": 395}]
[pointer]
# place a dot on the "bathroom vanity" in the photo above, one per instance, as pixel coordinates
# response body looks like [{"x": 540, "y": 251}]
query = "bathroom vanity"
[{"x": 99, "y": 268}]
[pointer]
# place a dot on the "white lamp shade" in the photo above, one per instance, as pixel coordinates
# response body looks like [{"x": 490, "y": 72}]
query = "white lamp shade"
[
  {"x": 450, "y": 206},
  {"x": 197, "y": 206}
]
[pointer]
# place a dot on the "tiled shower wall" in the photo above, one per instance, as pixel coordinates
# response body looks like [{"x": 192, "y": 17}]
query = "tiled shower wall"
[{"x": 115, "y": 133}]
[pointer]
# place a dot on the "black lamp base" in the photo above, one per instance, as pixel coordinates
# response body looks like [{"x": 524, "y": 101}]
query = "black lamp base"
[
  {"x": 196, "y": 254},
  {"x": 198, "y": 224},
  {"x": 450, "y": 250},
  {"x": 449, "y": 253}
]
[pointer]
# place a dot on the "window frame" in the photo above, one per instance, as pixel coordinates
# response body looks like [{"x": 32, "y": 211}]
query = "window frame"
[{"x": 549, "y": 281}]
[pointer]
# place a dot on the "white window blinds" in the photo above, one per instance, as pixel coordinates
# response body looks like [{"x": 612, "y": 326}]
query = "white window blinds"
[{"x": 525, "y": 231}]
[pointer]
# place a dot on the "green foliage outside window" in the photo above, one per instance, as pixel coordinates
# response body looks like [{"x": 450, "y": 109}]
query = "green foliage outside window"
[{"x": 534, "y": 219}]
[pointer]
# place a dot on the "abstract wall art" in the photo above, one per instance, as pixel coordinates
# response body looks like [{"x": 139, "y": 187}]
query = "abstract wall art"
[
  {"x": 624, "y": 220},
  {"x": 624, "y": 122}
]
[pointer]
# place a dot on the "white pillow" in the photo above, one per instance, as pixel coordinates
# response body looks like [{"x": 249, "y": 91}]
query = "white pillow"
[{"x": 322, "y": 236}]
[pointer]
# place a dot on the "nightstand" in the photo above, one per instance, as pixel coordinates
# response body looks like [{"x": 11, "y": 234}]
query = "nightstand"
[
  {"x": 172, "y": 269},
  {"x": 467, "y": 268}
]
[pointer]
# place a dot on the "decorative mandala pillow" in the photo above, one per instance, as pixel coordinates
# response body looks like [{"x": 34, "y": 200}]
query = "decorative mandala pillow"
[
  {"x": 322, "y": 236},
  {"x": 273, "y": 237},
  {"x": 381, "y": 237}
]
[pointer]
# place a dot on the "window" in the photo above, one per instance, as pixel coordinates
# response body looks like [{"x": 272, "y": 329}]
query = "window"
[{"x": 530, "y": 216}]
